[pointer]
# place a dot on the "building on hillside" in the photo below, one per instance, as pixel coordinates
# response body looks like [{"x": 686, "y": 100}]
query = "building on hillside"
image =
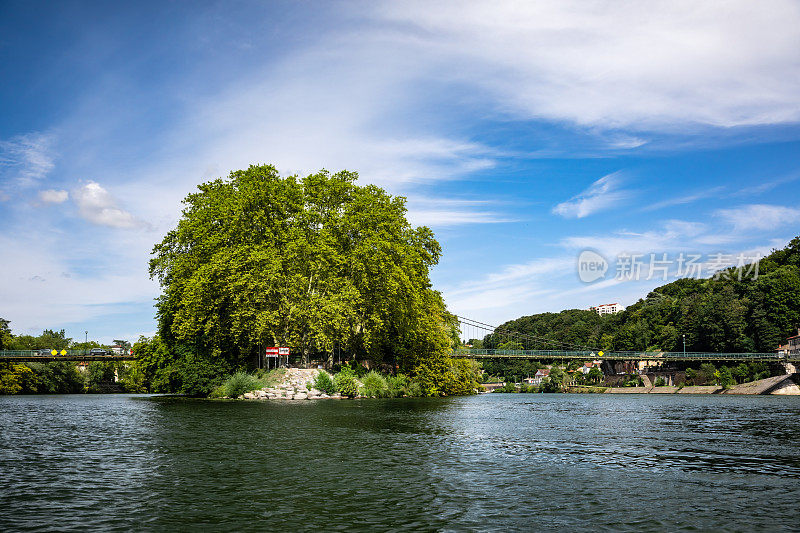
[
  {"x": 607, "y": 309},
  {"x": 792, "y": 345},
  {"x": 588, "y": 366},
  {"x": 539, "y": 376}
]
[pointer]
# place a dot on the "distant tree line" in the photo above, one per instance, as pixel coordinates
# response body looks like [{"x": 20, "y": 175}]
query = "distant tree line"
[
  {"x": 58, "y": 377},
  {"x": 726, "y": 313}
]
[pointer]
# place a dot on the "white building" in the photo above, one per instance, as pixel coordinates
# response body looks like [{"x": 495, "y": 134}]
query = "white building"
[{"x": 607, "y": 309}]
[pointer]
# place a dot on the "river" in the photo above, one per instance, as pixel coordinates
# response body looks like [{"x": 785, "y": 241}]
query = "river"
[{"x": 489, "y": 462}]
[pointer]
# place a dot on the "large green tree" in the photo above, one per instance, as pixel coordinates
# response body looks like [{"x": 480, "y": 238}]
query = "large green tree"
[{"x": 312, "y": 263}]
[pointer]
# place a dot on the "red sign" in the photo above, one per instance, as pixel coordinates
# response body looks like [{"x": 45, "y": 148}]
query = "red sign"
[{"x": 276, "y": 351}]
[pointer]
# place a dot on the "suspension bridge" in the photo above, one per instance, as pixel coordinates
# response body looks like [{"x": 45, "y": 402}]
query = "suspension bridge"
[
  {"x": 504, "y": 343},
  {"x": 36, "y": 356},
  {"x": 498, "y": 342}
]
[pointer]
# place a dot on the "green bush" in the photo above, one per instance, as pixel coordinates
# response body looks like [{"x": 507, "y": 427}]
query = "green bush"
[
  {"x": 660, "y": 382},
  {"x": 58, "y": 377},
  {"x": 508, "y": 387},
  {"x": 414, "y": 389},
  {"x": 633, "y": 380},
  {"x": 724, "y": 377},
  {"x": 397, "y": 386},
  {"x": 99, "y": 376},
  {"x": 345, "y": 382},
  {"x": 324, "y": 383},
  {"x": 238, "y": 384},
  {"x": 374, "y": 385},
  {"x": 198, "y": 374}
]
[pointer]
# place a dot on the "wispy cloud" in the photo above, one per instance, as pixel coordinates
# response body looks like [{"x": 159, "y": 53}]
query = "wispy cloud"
[
  {"x": 687, "y": 199},
  {"x": 26, "y": 159},
  {"x": 671, "y": 235},
  {"x": 53, "y": 196},
  {"x": 603, "y": 194},
  {"x": 440, "y": 212},
  {"x": 759, "y": 216},
  {"x": 645, "y": 65},
  {"x": 765, "y": 186},
  {"x": 96, "y": 205},
  {"x": 514, "y": 284}
]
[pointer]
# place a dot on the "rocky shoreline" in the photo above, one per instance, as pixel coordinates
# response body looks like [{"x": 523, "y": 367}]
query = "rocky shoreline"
[{"x": 297, "y": 384}]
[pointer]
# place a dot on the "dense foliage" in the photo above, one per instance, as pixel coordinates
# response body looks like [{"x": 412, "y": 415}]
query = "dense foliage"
[
  {"x": 324, "y": 383},
  {"x": 58, "y": 377},
  {"x": 315, "y": 264},
  {"x": 719, "y": 314}
]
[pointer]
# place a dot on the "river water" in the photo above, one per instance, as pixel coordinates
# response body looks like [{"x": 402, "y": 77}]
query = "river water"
[{"x": 489, "y": 462}]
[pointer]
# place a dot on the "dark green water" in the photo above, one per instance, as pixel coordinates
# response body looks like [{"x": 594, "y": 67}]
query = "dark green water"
[{"x": 492, "y": 462}]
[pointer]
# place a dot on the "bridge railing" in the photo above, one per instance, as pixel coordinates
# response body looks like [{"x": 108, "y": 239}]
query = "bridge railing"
[
  {"x": 624, "y": 355},
  {"x": 74, "y": 354},
  {"x": 32, "y": 353}
]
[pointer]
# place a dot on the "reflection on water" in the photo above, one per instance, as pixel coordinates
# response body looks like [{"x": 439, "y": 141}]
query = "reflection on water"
[{"x": 510, "y": 462}]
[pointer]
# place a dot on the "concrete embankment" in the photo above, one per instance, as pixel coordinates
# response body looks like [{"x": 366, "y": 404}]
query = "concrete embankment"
[{"x": 786, "y": 384}]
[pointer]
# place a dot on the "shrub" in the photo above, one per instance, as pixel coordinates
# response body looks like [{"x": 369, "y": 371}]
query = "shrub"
[
  {"x": 198, "y": 374},
  {"x": 448, "y": 377},
  {"x": 397, "y": 386},
  {"x": 414, "y": 389},
  {"x": 724, "y": 377},
  {"x": 345, "y": 382},
  {"x": 633, "y": 380},
  {"x": 238, "y": 384},
  {"x": 660, "y": 382},
  {"x": 324, "y": 383},
  {"x": 357, "y": 368},
  {"x": 508, "y": 387},
  {"x": 99, "y": 376},
  {"x": 374, "y": 385}
]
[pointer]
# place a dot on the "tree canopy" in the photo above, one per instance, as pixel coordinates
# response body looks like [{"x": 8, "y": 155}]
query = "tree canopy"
[{"x": 312, "y": 263}]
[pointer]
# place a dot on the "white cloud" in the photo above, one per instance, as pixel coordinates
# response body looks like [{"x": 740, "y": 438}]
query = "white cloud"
[
  {"x": 439, "y": 212},
  {"x": 672, "y": 235},
  {"x": 53, "y": 196},
  {"x": 96, "y": 205},
  {"x": 644, "y": 65},
  {"x": 514, "y": 284},
  {"x": 330, "y": 110},
  {"x": 601, "y": 195},
  {"x": 759, "y": 216},
  {"x": 27, "y": 158},
  {"x": 765, "y": 186},
  {"x": 687, "y": 199}
]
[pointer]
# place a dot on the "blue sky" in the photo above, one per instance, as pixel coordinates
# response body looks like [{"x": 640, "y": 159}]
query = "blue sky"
[{"x": 522, "y": 134}]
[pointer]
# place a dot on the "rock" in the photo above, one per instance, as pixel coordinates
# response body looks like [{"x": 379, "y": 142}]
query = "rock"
[
  {"x": 315, "y": 392},
  {"x": 300, "y": 396},
  {"x": 323, "y": 395},
  {"x": 249, "y": 396}
]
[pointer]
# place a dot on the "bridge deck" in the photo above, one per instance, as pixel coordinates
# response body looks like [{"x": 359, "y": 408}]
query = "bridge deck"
[
  {"x": 477, "y": 353},
  {"x": 33, "y": 356}
]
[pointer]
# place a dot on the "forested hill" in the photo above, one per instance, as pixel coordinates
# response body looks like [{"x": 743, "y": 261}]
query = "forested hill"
[{"x": 728, "y": 314}]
